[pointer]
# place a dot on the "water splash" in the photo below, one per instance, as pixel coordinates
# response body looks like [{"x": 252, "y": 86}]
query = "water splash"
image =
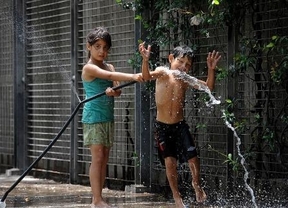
[
  {"x": 73, "y": 87},
  {"x": 194, "y": 82},
  {"x": 242, "y": 161}
]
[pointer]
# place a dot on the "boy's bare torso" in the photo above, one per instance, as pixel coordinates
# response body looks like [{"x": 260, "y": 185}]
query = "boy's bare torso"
[{"x": 169, "y": 95}]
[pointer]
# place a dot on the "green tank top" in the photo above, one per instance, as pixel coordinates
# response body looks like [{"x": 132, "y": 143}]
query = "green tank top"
[{"x": 100, "y": 109}]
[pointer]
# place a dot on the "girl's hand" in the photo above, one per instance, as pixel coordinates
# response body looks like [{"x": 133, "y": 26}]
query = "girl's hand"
[
  {"x": 109, "y": 91},
  {"x": 212, "y": 59},
  {"x": 145, "y": 53},
  {"x": 138, "y": 77}
]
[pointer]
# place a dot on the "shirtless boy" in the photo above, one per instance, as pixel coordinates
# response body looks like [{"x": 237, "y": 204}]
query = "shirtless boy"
[{"x": 172, "y": 132}]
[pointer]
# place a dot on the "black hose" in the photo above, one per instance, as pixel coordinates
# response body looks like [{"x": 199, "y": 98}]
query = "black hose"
[{"x": 57, "y": 136}]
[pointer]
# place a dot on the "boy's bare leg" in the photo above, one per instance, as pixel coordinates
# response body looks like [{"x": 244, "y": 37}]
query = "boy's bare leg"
[
  {"x": 195, "y": 170},
  {"x": 171, "y": 173}
]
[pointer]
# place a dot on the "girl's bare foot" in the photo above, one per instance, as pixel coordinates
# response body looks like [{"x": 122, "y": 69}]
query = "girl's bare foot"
[
  {"x": 200, "y": 194},
  {"x": 179, "y": 203},
  {"x": 100, "y": 204}
]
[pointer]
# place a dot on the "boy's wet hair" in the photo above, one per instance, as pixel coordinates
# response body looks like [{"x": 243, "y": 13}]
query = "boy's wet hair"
[
  {"x": 97, "y": 34},
  {"x": 183, "y": 51}
]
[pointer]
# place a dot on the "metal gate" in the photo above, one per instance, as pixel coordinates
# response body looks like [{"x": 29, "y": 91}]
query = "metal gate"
[
  {"x": 120, "y": 24},
  {"x": 7, "y": 159},
  {"x": 48, "y": 83},
  {"x": 42, "y": 54},
  {"x": 56, "y": 51}
]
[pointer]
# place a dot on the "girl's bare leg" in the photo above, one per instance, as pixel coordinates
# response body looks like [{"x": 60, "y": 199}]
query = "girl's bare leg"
[{"x": 97, "y": 174}]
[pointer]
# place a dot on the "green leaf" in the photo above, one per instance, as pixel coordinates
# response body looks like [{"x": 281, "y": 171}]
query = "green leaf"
[
  {"x": 228, "y": 101},
  {"x": 229, "y": 156},
  {"x": 130, "y": 61},
  {"x": 274, "y": 37},
  {"x": 138, "y": 17},
  {"x": 216, "y": 2},
  {"x": 270, "y": 45}
]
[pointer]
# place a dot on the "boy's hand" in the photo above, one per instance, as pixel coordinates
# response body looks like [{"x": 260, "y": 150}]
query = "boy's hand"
[
  {"x": 212, "y": 59},
  {"x": 145, "y": 53}
]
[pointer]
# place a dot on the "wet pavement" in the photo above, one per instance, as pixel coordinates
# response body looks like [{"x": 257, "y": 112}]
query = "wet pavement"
[
  {"x": 32, "y": 193},
  {"x": 35, "y": 193}
]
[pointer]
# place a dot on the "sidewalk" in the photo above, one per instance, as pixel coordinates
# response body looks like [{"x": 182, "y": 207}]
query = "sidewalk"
[{"x": 32, "y": 193}]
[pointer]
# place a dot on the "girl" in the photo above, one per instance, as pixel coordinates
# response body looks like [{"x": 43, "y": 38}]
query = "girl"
[{"x": 98, "y": 114}]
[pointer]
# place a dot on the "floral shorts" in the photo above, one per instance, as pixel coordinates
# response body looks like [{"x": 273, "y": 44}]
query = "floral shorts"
[{"x": 99, "y": 133}]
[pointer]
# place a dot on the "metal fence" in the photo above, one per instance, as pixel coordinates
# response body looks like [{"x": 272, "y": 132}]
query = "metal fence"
[
  {"x": 206, "y": 125},
  {"x": 267, "y": 171},
  {"x": 48, "y": 83},
  {"x": 120, "y": 23},
  {"x": 7, "y": 85},
  {"x": 52, "y": 35},
  {"x": 42, "y": 53}
]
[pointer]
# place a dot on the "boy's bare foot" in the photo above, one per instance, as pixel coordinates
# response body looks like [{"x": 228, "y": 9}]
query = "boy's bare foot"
[{"x": 200, "y": 194}]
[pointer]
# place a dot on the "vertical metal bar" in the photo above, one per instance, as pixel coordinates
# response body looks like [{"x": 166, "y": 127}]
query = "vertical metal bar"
[
  {"x": 20, "y": 118},
  {"x": 231, "y": 93},
  {"x": 138, "y": 117},
  {"x": 74, "y": 99},
  {"x": 142, "y": 113}
]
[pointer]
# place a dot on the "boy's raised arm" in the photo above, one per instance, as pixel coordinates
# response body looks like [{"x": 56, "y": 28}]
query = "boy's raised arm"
[
  {"x": 145, "y": 53},
  {"x": 212, "y": 61}
]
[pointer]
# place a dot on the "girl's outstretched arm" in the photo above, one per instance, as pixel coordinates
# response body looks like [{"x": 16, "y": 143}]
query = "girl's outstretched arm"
[{"x": 92, "y": 71}]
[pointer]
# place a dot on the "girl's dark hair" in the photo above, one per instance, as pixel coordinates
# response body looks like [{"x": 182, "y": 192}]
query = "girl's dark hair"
[
  {"x": 182, "y": 51},
  {"x": 96, "y": 34}
]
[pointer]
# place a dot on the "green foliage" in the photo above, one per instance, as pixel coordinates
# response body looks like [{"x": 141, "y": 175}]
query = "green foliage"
[
  {"x": 136, "y": 159},
  {"x": 277, "y": 53},
  {"x": 261, "y": 60},
  {"x": 234, "y": 163},
  {"x": 201, "y": 126},
  {"x": 222, "y": 73}
]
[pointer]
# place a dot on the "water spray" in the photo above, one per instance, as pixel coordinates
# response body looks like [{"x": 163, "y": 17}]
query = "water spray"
[
  {"x": 74, "y": 89},
  {"x": 242, "y": 161},
  {"x": 194, "y": 82},
  {"x": 2, "y": 202}
]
